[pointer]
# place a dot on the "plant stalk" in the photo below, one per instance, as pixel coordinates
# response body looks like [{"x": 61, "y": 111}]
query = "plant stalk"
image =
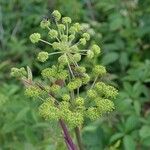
[
  {"x": 67, "y": 137},
  {"x": 78, "y": 137}
]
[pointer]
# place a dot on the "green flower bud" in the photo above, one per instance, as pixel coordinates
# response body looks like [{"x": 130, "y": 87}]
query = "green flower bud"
[
  {"x": 42, "y": 56},
  {"x": 77, "y": 57},
  {"x": 66, "y": 20},
  {"x": 53, "y": 33},
  {"x": 71, "y": 37},
  {"x": 35, "y": 37},
  {"x": 49, "y": 111},
  {"x": 63, "y": 59},
  {"x": 62, "y": 75},
  {"x": 55, "y": 88},
  {"x": 90, "y": 54},
  {"x": 64, "y": 38},
  {"x": 72, "y": 30},
  {"x": 85, "y": 79},
  {"x": 77, "y": 27},
  {"x": 91, "y": 93},
  {"x": 61, "y": 27},
  {"x": 82, "y": 41},
  {"x": 92, "y": 113},
  {"x": 79, "y": 101},
  {"x": 56, "y": 45},
  {"x": 18, "y": 72},
  {"x": 80, "y": 69},
  {"x": 74, "y": 84},
  {"x": 66, "y": 97},
  {"x": 56, "y": 14},
  {"x": 45, "y": 23},
  {"x": 96, "y": 49},
  {"x": 99, "y": 70},
  {"x": 105, "y": 106},
  {"x": 86, "y": 36},
  {"x": 33, "y": 91},
  {"x": 48, "y": 73},
  {"x": 74, "y": 48}
]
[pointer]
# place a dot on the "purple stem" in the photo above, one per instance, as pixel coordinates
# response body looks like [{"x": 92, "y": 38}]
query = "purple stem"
[{"x": 67, "y": 137}]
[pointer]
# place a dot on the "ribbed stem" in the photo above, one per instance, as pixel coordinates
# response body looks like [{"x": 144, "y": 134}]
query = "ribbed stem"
[
  {"x": 67, "y": 137},
  {"x": 78, "y": 136}
]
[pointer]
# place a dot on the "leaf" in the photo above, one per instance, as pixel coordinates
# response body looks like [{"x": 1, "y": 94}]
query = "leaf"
[
  {"x": 137, "y": 107},
  {"x": 110, "y": 58},
  {"x": 131, "y": 123},
  {"x": 116, "y": 137},
  {"x": 129, "y": 143},
  {"x": 144, "y": 131}
]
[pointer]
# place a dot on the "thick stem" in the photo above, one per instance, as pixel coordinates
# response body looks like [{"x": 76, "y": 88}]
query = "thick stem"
[
  {"x": 67, "y": 137},
  {"x": 78, "y": 136}
]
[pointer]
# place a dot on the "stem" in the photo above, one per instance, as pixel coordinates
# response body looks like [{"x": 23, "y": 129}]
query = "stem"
[
  {"x": 67, "y": 137},
  {"x": 45, "y": 42},
  {"x": 78, "y": 136}
]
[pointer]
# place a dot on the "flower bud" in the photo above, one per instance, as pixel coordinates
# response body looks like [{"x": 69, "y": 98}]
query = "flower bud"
[
  {"x": 71, "y": 37},
  {"x": 96, "y": 49},
  {"x": 85, "y": 79},
  {"x": 90, "y": 54},
  {"x": 77, "y": 27},
  {"x": 86, "y": 36},
  {"x": 61, "y": 27},
  {"x": 66, "y": 97},
  {"x": 55, "y": 88},
  {"x": 45, "y": 23},
  {"x": 77, "y": 57},
  {"x": 18, "y": 72},
  {"x": 99, "y": 70},
  {"x": 92, "y": 113},
  {"x": 82, "y": 41},
  {"x": 33, "y": 91},
  {"x": 35, "y": 37},
  {"x": 53, "y": 33},
  {"x": 64, "y": 38},
  {"x": 74, "y": 48},
  {"x": 63, "y": 59},
  {"x": 56, "y": 14},
  {"x": 42, "y": 56},
  {"x": 56, "y": 45},
  {"x": 91, "y": 93},
  {"x": 66, "y": 20},
  {"x": 79, "y": 101}
]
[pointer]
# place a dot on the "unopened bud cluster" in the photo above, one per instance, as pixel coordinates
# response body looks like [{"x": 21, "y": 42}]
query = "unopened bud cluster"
[{"x": 62, "y": 82}]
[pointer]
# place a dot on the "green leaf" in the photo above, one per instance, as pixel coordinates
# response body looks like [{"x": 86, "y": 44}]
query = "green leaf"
[
  {"x": 132, "y": 123},
  {"x": 110, "y": 58},
  {"x": 129, "y": 143},
  {"x": 116, "y": 137},
  {"x": 144, "y": 131}
]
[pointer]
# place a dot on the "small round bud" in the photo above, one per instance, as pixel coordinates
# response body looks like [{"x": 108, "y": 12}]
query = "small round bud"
[
  {"x": 56, "y": 14},
  {"x": 99, "y": 70},
  {"x": 77, "y": 27},
  {"x": 86, "y": 36},
  {"x": 48, "y": 73},
  {"x": 45, "y": 23},
  {"x": 74, "y": 48},
  {"x": 96, "y": 49},
  {"x": 33, "y": 91},
  {"x": 42, "y": 56},
  {"x": 55, "y": 88},
  {"x": 90, "y": 54},
  {"x": 19, "y": 73},
  {"x": 35, "y": 37},
  {"x": 53, "y": 33},
  {"x": 77, "y": 57},
  {"x": 61, "y": 27},
  {"x": 92, "y": 113},
  {"x": 91, "y": 93},
  {"x": 71, "y": 37},
  {"x": 66, "y": 20},
  {"x": 79, "y": 101},
  {"x": 56, "y": 45},
  {"x": 80, "y": 69},
  {"x": 63, "y": 59},
  {"x": 85, "y": 79},
  {"x": 64, "y": 38},
  {"x": 82, "y": 41},
  {"x": 72, "y": 30},
  {"x": 66, "y": 97}
]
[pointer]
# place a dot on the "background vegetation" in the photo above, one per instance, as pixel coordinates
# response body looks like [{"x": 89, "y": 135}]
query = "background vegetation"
[{"x": 122, "y": 29}]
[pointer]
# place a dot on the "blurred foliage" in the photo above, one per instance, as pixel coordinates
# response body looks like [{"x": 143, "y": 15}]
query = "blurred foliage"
[{"x": 122, "y": 29}]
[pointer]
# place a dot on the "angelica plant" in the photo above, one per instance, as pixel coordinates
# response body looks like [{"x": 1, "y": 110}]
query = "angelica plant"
[{"x": 60, "y": 87}]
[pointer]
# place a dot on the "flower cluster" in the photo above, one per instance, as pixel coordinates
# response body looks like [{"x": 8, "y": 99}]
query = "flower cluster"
[{"x": 60, "y": 91}]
